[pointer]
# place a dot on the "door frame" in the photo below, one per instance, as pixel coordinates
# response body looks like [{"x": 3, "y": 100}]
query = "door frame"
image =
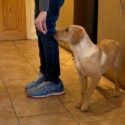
[{"x": 30, "y": 27}]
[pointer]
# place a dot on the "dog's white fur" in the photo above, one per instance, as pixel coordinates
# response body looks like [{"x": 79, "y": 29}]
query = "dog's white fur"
[{"x": 91, "y": 60}]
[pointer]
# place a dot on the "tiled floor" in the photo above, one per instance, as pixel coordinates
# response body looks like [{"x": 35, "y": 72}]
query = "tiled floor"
[{"x": 19, "y": 64}]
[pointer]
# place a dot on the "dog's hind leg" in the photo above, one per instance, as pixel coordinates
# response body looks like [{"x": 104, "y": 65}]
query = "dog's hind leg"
[
  {"x": 117, "y": 68},
  {"x": 89, "y": 92},
  {"x": 83, "y": 82}
]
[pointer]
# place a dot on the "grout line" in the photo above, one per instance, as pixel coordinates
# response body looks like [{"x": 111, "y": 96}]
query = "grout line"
[
  {"x": 10, "y": 100},
  {"x": 24, "y": 57},
  {"x": 58, "y": 98},
  {"x": 6, "y": 87},
  {"x": 42, "y": 115},
  {"x": 68, "y": 111}
]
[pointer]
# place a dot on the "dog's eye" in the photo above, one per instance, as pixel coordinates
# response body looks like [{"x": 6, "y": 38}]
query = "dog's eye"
[{"x": 67, "y": 29}]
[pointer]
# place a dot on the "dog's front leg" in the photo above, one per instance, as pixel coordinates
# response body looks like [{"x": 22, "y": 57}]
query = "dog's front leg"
[
  {"x": 83, "y": 82},
  {"x": 89, "y": 92}
]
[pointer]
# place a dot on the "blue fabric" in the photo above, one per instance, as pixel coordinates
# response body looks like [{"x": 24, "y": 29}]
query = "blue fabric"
[{"x": 48, "y": 46}]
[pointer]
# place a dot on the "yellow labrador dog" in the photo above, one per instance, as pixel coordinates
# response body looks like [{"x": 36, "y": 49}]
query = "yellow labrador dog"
[{"x": 91, "y": 60}]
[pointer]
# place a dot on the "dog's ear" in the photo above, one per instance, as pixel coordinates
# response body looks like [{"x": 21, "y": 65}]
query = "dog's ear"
[{"x": 77, "y": 36}]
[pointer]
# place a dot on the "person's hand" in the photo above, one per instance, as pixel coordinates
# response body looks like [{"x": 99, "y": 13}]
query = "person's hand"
[{"x": 40, "y": 22}]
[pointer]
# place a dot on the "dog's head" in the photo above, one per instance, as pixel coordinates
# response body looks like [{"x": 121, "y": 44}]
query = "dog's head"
[{"x": 73, "y": 34}]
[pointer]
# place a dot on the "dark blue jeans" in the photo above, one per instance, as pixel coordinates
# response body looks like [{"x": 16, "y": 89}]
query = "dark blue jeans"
[{"x": 48, "y": 46}]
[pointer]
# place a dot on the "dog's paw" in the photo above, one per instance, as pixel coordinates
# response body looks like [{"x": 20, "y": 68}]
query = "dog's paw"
[
  {"x": 116, "y": 94},
  {"x": 78, "y": 106},
  {"x": 84, "y": 108}
]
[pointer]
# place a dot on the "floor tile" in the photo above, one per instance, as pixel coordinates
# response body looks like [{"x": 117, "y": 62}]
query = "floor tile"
[
  {"x": 5, "y": 106},
  {"x": 15, "y": 61},
  {"x": 20, "y": 65},
  {"x": 28, "y": 48},
  {"x": 9, "y": 119},
  {"x": 72, "y": 93},
  {"x": 25, "y": 106},
  {"x": 115, "y": 121},
  {"x": 54, "y": 119},
  {"x": 7, "y": 114},
  {"x": 106, "y": 88},
  {"x": 68, "y": 64},
  {"x": 35, "y": 63},
  {"x": 99, "y": 110},
  {"x": 69, "y": 77},
  {"x": 8, "y": 50},
  {"x": 2, "y": 88},
  {"x": 22, "y": 71},
  {"x": 18, "y": 82},
  {"x": 64, "y": 55},
  {"x": 108, "y": 94}
]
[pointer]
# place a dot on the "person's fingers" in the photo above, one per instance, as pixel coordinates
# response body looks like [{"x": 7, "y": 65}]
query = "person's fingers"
[
  {"x": 44, "y": 26},
  {"x": 40, "y": 26},
  {"x": 43, "y": 30},
  {"x": 37, "y": 24}
]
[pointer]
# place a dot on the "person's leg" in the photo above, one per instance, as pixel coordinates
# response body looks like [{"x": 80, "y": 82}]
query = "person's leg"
[
  {"x": 50, "y": 45},
  {"x": 51, "y": 51},
  {"x": 53, "y": 85},
  {"x": 42, "y": 69}
]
